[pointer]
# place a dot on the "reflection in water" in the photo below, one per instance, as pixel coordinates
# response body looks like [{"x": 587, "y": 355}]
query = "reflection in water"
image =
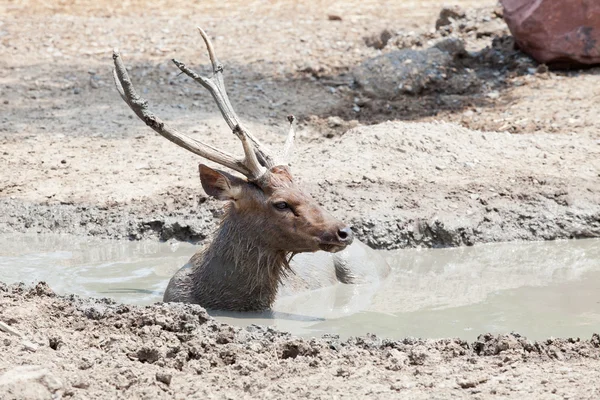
[
  {"x": 538, "y": 289},
  {"x": 132, "y": 272}
]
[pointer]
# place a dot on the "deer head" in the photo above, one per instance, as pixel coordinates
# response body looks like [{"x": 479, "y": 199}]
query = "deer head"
[{"x": 266, "y": 203}]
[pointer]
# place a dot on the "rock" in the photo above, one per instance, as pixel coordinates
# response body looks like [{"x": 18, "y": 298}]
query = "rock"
[
  {"x": 448, "y": 13},
  {"x": 471, "y": 382},
  {"x": 81, "y": 384},
  {"x": 452, "y": 46},
  {"x": 413, "y": 72},
  {"x": 559, "y": 33},
  {"x": 378, "y": 41},
  {"x": 164, "y": 378},
  {"x": 595, "y": 337},
  {"x": 404, "y": 71},
  {"x": 334, "y": 121},
  {"x": 417, "y": 356}
]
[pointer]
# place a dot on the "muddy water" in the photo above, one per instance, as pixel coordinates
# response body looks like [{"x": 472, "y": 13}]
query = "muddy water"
[{"x": 537, "y": 289}]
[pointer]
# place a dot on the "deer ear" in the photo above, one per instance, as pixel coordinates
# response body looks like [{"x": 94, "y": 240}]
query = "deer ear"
[{"x": 219, "y": 184}]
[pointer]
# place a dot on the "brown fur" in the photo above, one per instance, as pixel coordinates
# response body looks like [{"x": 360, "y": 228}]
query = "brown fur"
[{"x": 242, "y": 267}]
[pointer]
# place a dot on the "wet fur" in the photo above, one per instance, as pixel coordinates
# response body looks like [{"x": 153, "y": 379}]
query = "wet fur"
[{"x": 249, "y": 257}]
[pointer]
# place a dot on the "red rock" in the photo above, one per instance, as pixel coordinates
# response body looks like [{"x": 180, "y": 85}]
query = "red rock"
[{"x": 562, "y": 33}]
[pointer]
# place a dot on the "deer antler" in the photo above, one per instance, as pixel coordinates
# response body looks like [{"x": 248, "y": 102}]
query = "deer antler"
[
  {"x": 216, "y": 86},
  {"x": 249, "y": 166},
  {"x": 256, "y": 156}
]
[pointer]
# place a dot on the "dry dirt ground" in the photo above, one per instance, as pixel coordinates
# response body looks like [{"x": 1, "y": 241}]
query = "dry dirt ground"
[{"x": 516, "y": 158}]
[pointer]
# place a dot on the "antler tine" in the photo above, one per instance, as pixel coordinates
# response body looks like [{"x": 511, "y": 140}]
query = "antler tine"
[
  {"x": 288, "y": 147},
  {"x": 216, "y": 86},
  {"x": 140, "y": 108}
]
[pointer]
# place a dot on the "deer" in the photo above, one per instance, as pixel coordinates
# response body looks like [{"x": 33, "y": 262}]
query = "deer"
[{"x": 273, "y": 234}]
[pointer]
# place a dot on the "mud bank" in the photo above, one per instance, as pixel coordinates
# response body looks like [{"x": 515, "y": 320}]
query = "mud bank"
[
  {"x": 399, "y": 184},
  {"x": 96, "y": 349}
]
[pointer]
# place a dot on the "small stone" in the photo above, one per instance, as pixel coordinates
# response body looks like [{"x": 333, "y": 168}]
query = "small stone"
[
  {"x": 447, "y": 14},
  {"x": 453, "y": 46},
  {"x": 164, "y": 378},
  {"x": 334, "y": 122},
  {"x": 408, "y": 88},
  {"x": 378, "y": 41},
  {"x": 81, "y": 385},
  {"x": 542, "y": 69},
  {"x": 333, "y": 17},
  {"x": 76, "y": 90},
  {"x": 595, "y": 338},
  {"x": 467, "y": 383},
  {"x": 85, "y": 364}
]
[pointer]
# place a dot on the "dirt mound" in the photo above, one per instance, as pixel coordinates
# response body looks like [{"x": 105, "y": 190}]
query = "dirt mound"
[
  {"x": 399, "y": 184},
  {"x": 98, "y": 349},
  {"x": 465, "y": 62}
]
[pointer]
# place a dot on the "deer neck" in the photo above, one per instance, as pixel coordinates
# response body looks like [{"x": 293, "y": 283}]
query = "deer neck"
[{"x": 238, "y": 271}]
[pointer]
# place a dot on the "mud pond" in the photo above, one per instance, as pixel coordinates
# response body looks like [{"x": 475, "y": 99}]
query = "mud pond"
[{"x": 540, "y": 289}]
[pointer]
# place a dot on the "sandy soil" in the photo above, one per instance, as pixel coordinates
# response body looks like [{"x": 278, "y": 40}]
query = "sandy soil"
[{"x": 516, "y": 158}]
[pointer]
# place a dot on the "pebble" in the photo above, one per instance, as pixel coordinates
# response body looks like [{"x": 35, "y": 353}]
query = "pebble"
[
  {"x": 467, "y": 383},
  {"x": 164, "y": 378},
  {"x": 334, "y": 122},
  {"x": 542, "y": 69}
]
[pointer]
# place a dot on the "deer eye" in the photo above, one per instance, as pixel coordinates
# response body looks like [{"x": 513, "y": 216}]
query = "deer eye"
[{"x": 281, "y": 205}]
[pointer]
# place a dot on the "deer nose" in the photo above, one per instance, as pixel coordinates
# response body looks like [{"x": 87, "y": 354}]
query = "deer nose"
[{"x": 345, "y": 235}]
